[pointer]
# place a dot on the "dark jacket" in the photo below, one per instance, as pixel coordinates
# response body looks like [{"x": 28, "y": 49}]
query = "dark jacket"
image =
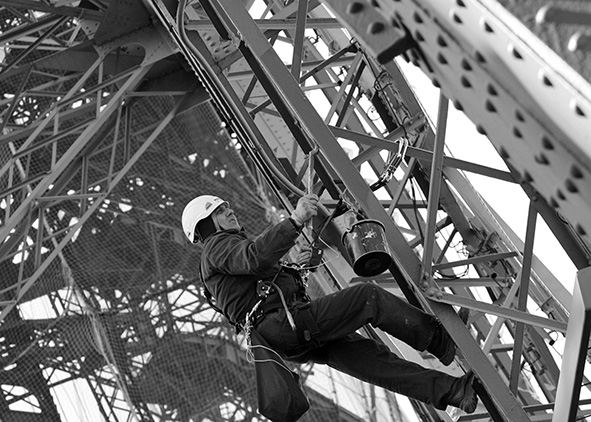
[{"x": 231, "y": 264}]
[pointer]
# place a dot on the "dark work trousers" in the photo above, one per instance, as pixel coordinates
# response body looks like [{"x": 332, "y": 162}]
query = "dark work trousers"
[{"x": 339, "y": 315}]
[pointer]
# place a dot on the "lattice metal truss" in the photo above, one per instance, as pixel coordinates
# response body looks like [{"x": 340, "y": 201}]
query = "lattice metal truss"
[{"x": 116, "y": 113}]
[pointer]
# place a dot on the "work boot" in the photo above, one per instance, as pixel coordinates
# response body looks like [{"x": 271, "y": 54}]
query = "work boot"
[
  {"x": 442, "y": 346},
  {"x": 462, "y": 394}
]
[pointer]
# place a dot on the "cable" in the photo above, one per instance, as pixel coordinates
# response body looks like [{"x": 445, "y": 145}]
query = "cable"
[{"x": 233, "y": 118}]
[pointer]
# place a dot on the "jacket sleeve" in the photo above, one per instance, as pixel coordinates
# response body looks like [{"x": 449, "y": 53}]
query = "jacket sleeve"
[{"x": 230, "y": 253}]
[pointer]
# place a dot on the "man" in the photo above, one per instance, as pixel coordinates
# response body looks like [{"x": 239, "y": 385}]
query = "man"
[{"x": 233, "y": 266}]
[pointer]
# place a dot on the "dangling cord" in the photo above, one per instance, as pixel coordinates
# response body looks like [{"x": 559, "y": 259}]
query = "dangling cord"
[
  {"x": 288, "y": 314},
  {"x": 310, "y": 181},
  {"x": 310, "y": 184},
  {"x": 248, "y": 327}
]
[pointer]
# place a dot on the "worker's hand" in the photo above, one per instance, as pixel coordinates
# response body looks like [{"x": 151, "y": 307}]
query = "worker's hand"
[
  {"x": 306, "y": 208},
  {"x": 304, "y": 254}
]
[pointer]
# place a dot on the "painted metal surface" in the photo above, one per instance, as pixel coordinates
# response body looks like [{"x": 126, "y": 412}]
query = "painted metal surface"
[{"x": 534, "y": 107}]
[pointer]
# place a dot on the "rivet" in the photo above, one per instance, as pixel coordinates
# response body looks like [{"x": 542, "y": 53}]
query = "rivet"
[
  {"x": 542, "y": 159},
  {"x": 515, "y": 53},
  {"x": 547, "y": 144},
  {"x": 417, "y": 18},
  {"x": 480, "y": 129},
  {"x": 576, "y": 172},
  {"x": 375, "y": 28},
  {"x": 456, "y": 18},
  {"x": 479, "y": 57},
  {"x": 492, "y": 90},
  {"x": 527, "y": 177},
  {"x": 465, "y": 82},
  {"x": 503, "y": 153},
  {"x": 560, "y": 195},
  {"x": 571, "y": 186},
  {"x": 441, "y": 58},
  {"x": 490, "y": 106},
  {"x": 458, "y": 105},
  {"x": 419, "y": 36},
  {"x": 581, "y": 230},
  {"x": 517, "y": 133},
  {"x": 466, "y": 65},
  {"x": 441, "y": 41},
  {"x": 519, "y": 116},
  {"x": 355, "y": 7},
  {"x": 578, "y": 110},
  {"x": 487, "y": 27}
]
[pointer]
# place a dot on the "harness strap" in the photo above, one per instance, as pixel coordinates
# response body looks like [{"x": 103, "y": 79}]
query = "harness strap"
[{"x": 213, "y": 303}]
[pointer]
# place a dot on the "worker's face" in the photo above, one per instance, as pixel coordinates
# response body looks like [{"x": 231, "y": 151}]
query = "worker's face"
[{"x": 224, "y": 218}]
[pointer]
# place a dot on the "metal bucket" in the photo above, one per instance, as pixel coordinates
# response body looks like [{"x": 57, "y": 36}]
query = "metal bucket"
[{"x": 367, "y": 247}]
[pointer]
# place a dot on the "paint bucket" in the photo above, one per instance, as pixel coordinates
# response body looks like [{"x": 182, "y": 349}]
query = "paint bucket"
[{"x": 367, "y": 247}]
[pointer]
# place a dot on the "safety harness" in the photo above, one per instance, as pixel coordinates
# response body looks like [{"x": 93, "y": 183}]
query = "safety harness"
[
  {"x": 272, "y": 298},
  {"x": 304, "y": 323}
]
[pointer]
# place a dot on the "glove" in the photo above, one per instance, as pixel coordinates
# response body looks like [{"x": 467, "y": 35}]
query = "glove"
[
  {"x": 306, "y": 208},
  {"x": 303, "y": 256}
]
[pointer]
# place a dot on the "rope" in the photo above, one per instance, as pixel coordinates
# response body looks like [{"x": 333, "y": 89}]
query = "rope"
[
  {"x": 310, "y": 184},
  {"x": 250, "y": 356},
  {"x": 250, "y": 347}
]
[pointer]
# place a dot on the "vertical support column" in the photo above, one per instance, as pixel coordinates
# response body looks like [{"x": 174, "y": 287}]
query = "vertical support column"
[
  {"x": 522, "y": 298},
  {"x": 298, "y": 42},
  {"x": 575, "y": 350},
  {"x": 434, "y": 191}
]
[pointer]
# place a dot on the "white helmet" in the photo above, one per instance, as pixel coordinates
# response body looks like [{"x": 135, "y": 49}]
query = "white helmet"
[{"x": 198, "y": 209}]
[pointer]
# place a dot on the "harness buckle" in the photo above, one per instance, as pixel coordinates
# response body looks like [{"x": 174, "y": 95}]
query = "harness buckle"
[{"x": 263, "y": 289}]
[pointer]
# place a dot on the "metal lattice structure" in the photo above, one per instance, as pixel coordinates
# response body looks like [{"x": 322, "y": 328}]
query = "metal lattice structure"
[{"x": 116, "y": 113}]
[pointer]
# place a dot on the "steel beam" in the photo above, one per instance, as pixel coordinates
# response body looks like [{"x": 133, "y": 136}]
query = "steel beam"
[
  {"x": 575, "y": 350},
  {"x": 24, "y": 285},
  {"x": 275, "y": 24},
  {"x": 317, "y": 131},
  {"x": 508, "y": 313},
  {"x": 522, "y": 297},
  {"x": 134, "y": 79},
  {"x": 419, "y": 153},
  {"x": 434, "y": 191},
  {"x": 533, "y": 107},
  {"x": 75, "y": 12}
]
